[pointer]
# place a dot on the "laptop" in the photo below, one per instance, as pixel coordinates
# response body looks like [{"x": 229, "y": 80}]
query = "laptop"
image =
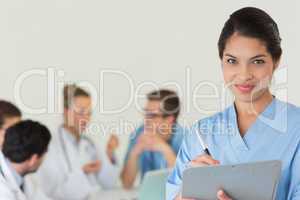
[{"x": 154, "y": 185}]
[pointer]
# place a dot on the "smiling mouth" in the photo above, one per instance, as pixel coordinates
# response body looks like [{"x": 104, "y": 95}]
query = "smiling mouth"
[{"x": 244, "y": 88}]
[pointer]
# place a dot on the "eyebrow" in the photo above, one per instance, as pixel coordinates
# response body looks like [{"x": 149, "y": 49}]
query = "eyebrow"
[
  {"x": 258, "y": 56},
  {"x": 254, "y": 57},
  {"x": 229, "y": 55}
]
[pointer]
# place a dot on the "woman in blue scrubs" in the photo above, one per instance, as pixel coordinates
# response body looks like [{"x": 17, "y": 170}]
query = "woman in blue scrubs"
[{"x": 257, "y": 127}]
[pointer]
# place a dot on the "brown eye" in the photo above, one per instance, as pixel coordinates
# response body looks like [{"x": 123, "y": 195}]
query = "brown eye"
[
  {"x": 231, "y": 61},
  {"x": 258, "y": 62}
]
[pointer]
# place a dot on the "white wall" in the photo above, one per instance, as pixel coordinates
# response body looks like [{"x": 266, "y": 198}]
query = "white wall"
[{"x": 147, "y": 40}]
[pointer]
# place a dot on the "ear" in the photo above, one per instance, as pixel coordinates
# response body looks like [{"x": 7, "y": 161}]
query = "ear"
[
  {"x": 276, "y": 64},
  {"x": 2, "y": 136},
  {"x": 33, "y": 160}
]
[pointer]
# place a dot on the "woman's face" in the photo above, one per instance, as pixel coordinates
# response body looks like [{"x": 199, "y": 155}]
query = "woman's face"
[{"x": 247, "y": 67}]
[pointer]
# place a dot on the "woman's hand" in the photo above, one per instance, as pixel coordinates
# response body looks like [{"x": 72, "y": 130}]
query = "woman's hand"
[
  {"x": 92, "y": 167},
  {"x": 223, "y": 196},
  {"x": 203, "y": 160}
]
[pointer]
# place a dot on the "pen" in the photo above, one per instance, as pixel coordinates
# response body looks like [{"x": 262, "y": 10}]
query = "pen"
[{"x": 204, "y": 146}]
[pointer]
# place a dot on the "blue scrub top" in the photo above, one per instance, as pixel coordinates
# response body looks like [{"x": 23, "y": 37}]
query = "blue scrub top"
[
  {"x": 150, "y": 160},
  {"x": 275, "y": 135}
]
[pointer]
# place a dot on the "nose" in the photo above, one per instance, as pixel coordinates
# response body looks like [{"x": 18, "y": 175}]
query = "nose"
[{"x": 245, "y": 74}]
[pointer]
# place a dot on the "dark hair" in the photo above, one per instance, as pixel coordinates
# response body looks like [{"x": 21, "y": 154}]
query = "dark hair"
[
  {"x": 71, "y": 91},
  {"x": 8, "y": 110},
  {"x": 170, "y": 103},
  {"x": 25, "y": 139},
  {"x": 255, "y": 23}
]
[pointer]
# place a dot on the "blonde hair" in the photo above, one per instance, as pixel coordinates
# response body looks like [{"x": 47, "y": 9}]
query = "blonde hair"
[{"x": 71, "y": 91}]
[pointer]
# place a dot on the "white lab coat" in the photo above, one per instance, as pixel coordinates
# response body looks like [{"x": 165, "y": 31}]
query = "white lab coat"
[
  {"x": 9, "y": 189},
  {"x": 61, "y": 175},
  {"x": 32, "y": 190}
]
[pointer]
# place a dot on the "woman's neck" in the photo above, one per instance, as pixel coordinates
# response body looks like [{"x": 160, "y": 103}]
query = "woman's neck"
[
  {"x": 255, "y": 107},
  {"x": 72, "y": 131}
]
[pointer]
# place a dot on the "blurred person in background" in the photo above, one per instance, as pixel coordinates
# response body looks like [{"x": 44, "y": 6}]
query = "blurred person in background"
[
  {"x": 9, "y": 115},
  {"x": 154, "y": 145},
  {"x": 74, "y": 168},
  {"x": 23, "y": 150}
]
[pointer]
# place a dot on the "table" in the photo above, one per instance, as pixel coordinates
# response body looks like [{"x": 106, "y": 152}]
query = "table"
[{"x": 115, "y": 194}]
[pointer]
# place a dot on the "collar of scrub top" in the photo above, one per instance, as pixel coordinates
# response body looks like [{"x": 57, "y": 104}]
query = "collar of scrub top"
[{"x": 267, "y": 116}]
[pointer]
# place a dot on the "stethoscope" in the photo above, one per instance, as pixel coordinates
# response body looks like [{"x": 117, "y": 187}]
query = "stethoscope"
[{"x": 64, "y": 149}]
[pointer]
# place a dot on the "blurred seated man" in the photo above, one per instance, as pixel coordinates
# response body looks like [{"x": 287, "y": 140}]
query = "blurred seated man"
[
  {"x": 74, "y": 169},
  {"x": 155, "y": 144},
  {"x": 23, "y": 150},
  {"x": 9, "y": 115}
]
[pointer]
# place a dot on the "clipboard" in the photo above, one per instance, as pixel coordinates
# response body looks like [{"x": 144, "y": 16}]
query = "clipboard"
[{"x": 248, "y": 181}]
